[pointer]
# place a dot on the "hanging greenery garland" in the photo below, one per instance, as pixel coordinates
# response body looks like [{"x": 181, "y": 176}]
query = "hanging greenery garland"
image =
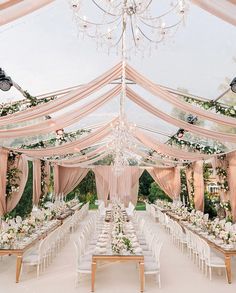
[
  {"x": 196, "y": 146},
  {"x": 13, "y": 179},
  {"x": 60, "y": 139},
  {"x": 213, "y": 105},
  {"x": 191, "y": 185},
  {"x": 17, "y": 106},
  {"x": 44, "y": 174},
  {"x": 221, "y": 171}
]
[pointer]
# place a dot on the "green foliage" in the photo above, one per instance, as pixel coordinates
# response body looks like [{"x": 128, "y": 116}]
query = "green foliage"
[
  {"x": 157, "y": 193},
  {"x": 145, "y": 182},
  {"x": 140, "y": 206},
  {"x": 184, "y": 191},
  {"x": 88, "y": 197},
  {"x": 213, "y": 105},
  {"x": 87, "y": 185},
  {"x": 199, "y": 146},
  {"x": 25, "y": 204},
  {"x": 209, "y": 205},
  {"x": 108, "y": 160},
  {"x": 65, "y": 137},
  {"x": 28, "y": 102},
  {"x": 86, "y": 191}
]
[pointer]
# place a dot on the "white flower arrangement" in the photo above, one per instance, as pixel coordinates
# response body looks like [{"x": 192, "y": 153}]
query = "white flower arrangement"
[{"x": 218, "y": 229}]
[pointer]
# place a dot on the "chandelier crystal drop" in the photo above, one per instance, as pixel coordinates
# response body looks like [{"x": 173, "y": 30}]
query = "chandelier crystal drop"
[{"x": 144, "y": 23}]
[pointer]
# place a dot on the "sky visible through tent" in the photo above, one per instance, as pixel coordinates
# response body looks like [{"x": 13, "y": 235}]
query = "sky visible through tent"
[{"x": 42, "y": 53}]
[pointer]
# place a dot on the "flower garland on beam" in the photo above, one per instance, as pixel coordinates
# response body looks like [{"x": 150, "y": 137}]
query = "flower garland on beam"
[
  {"x": 213, "y": 105},
  {"x": 60, "y": 139},
  {"x": 196, "y": 146},
  {"x": 28, "y": 102},
  {"x": 12, "y": 184}
]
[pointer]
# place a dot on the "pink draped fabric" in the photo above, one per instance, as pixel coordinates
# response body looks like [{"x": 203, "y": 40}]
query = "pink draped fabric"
[
  {"x": 223, "y": 9},
  {"x": 22, "y": 165},
  {"x": 166, "y": 149},
  {"x": 102, "y": 176},
  {"x": 64, "y": 120},
  {"x": 81, "y": 158},
  {"x": 231, "y": 174},
  {"x": 175, "y": 100},
  {"x": 36, "y": 181},
  {"x": 68, "y": 178},
  {"x": 168, "y": 179},
  {"x": 11, "y": 10},
  {"x": 126, "y": 184},
  {"x": 123, "y": 187},
  {"x": 198, "y": 182},
  {"x": 180, "y": 123},
  {"x": 90, "y": 161},
  {"x": 3, "y": 173},
  {"x": 135, "y": 185},
  {"x": 64, "y": 101},
  {"x": 56, "y": 178},
  {"x": 71, "y": 147}
]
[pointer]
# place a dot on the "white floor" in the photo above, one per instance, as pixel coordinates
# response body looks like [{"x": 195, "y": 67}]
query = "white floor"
[{"x": 178, "y": 274}]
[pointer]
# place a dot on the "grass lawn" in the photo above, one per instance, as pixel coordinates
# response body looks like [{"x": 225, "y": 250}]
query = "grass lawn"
[{"x": 140, "y": 206}]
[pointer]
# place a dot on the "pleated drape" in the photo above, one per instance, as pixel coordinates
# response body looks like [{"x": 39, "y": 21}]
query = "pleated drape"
[{"x": 168, "y": 179}]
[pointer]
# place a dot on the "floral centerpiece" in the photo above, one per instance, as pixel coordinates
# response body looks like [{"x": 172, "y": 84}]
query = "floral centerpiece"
[{"x": 120, "y": 243}]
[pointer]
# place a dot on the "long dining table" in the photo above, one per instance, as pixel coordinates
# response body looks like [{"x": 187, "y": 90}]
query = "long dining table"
[
  {"x": 107, "y": 255},
  {"x": 19, "y": 249},
  {"x": 227, "y": 252}
]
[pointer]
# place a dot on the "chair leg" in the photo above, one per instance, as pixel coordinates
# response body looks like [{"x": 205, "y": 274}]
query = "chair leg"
[
  {"x": 158, "y": 279},
  {"x": 38, "y": 269},
  {"x": 210, "y": 273},
  {"x": 206, "y": 269}
]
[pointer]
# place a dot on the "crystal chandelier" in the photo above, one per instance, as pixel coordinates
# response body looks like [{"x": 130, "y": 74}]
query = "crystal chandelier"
[
  {"x": 132, "y": 19},
  {"x": 121, "y": 141}
]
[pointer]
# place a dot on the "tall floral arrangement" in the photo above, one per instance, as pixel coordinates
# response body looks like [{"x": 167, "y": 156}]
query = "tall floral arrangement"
[{"x": 13, "y": 174}]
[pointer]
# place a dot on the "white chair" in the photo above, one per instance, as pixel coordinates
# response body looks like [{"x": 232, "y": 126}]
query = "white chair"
[
  {"x": 82, "y": 266},
  {"x": 212, "y": 260},
  {"x": 102, "y": 209},
  {"x": 130, "y": 209},
  {"x": 37, "y": 258},
  {"x": 153, "y": 268}
]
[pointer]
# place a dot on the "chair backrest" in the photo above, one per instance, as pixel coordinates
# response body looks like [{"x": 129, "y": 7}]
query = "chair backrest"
[
  {"x": 158, "y": 246},
  {"x": 77, "y": 245},
  {"x": 206, "y": 250}
]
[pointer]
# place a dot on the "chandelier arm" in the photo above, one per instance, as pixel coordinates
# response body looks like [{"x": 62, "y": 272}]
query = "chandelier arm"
[
  {"x": 120, "y": 38},
  {"x": 149, "y": 39},
  {"x": 160, "y": 16},
  {"x": 159, "y": 27},
  {"x": 97, "y": 23},
  {"x": 104, "y": 10},
  {"x": 101, "y": 36},
  {"x": 144, "y": 9}
]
